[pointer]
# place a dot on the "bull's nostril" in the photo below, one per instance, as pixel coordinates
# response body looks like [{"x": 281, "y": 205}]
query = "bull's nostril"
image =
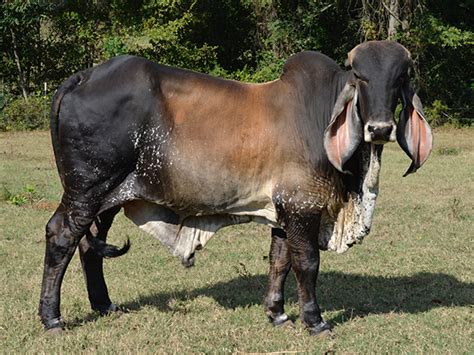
[
  {"x": 378, "y": 133},
  {"x": 385, "y": 132},
  {"x": 382, "y": 133}
]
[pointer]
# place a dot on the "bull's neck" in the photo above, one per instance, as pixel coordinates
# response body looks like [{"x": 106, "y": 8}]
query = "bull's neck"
[{"x": 314, "y": 104}]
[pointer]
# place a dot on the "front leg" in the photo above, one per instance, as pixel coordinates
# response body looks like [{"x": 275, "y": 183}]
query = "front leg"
[
  {"x": 280, "y": 265},
  {"x": 302, "y": 236}
]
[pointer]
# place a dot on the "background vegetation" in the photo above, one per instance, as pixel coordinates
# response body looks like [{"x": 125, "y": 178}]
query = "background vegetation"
[{"x": 43, "y": 42}]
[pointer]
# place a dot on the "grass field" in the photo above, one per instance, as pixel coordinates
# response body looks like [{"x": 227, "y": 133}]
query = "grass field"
[{"x": 408, "y": 289}]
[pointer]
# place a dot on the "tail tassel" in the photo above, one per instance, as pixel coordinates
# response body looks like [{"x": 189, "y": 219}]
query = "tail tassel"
[{"x": 105, "y": 250}]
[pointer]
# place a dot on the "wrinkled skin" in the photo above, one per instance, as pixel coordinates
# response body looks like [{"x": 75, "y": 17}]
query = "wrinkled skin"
[{"x": 131, "y": 133}]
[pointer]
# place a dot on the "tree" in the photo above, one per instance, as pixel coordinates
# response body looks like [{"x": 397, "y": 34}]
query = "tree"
[
  {"x": 21, "y": 43},
  {"x": 46, "y": 41}
]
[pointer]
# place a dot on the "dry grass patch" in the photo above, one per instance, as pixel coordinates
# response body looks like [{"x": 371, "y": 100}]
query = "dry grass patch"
[{"x": 407, "y": 289}]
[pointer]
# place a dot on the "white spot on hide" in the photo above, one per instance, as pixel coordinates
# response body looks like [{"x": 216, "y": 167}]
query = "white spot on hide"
[{"x": 354, "y": 219}]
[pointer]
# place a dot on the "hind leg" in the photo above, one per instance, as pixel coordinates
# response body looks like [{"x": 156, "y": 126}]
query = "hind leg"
[
  {"x": 63, "y": 233},
  {"x": 92, "y": 263}
]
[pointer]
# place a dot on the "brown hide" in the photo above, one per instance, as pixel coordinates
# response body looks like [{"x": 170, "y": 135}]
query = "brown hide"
[{"x": 227, "y": 139}]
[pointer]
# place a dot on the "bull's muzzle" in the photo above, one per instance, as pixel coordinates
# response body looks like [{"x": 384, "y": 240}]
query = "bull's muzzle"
[{"x": 380, "y": 132}]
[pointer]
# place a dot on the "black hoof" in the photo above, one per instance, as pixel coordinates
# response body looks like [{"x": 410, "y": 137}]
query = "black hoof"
[
  {"x": 188, "y": 262},
  {"x": 320, "y": 330},
  {"x": 280, "y": 320},
  {"x": 104, "y": 310}
]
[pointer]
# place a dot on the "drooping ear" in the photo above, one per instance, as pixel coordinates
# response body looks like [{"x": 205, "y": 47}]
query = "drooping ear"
[
  {"x": 344, "y": 133},
  {"x": 413, "y": 131}
]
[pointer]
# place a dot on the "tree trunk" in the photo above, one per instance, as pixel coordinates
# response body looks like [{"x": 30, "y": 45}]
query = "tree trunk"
[
  {"x": 394, "y": 19},
  {"x": 21, "y": 74}
]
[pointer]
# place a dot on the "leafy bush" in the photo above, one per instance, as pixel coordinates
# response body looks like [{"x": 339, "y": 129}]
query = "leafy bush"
[
  {"x": 439, "y": 114},
  {"x": 28, "y": 195},
  {"x": 21, "y": 115},
  {"x": 436, "y": 114}
]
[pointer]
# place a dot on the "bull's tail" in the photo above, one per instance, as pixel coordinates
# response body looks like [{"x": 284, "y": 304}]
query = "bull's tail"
[{"x": 105, "y": 250}]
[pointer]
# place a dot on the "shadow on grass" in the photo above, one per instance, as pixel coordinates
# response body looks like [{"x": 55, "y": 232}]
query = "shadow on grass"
[
  {"x": 352, "y": 294},
  {"x": 358, "y": 295}
]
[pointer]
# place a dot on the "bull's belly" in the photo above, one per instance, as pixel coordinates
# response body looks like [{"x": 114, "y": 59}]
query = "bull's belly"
[
  {"x": 202, "y": 201},
  {"x": 186, "y": 214},
  {"x": 184, "y": 234}
]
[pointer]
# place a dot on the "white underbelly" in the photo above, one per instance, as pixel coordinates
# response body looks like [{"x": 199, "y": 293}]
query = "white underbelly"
[{"x": 183, "y": 234}]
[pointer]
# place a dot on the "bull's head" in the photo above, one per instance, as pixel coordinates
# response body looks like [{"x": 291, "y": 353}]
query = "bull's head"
[{"x": 365, "y": 107}]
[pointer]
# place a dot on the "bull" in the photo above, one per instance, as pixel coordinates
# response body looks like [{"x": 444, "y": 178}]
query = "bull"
[{"x": 185, "y": 154}]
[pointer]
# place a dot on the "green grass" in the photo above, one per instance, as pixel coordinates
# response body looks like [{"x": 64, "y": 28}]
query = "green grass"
[{"x": 407, "y": 289}]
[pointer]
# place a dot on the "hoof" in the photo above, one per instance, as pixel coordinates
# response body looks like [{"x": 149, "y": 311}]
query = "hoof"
[
  {"x": 54, "y": 331},
  {"x": 321, "y": 330},
  {"x": 281, "y": 321},
  {"x": 55, "y": 326},
  {"x": 189, "y": 261},
  {"x": 112, "y": 308}
]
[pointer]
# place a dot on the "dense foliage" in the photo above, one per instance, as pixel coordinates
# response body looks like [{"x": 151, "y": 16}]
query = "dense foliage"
[{"x": 43, "y": 42}]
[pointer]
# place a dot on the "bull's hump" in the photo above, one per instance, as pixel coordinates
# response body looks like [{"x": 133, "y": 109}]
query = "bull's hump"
[{"x": 309, "y": 62}]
